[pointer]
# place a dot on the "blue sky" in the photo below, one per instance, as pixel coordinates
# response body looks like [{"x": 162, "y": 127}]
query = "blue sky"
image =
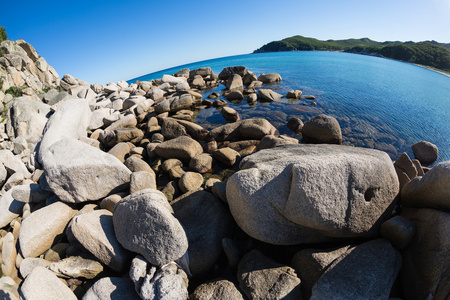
[{"x": 102, "y": 41}]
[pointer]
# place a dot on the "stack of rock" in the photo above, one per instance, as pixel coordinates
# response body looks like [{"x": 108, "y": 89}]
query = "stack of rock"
[{"x": 113, "y": 192}]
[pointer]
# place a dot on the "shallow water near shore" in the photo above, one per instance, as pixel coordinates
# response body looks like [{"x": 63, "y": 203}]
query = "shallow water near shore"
[{"x": 379, "y": 103}]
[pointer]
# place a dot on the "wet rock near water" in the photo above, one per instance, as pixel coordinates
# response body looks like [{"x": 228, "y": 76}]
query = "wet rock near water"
[{"x": 116, "y": 192}]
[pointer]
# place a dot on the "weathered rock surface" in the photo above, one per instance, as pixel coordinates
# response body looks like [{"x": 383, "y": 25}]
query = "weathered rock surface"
[
  {"x": 425, "y": 152},
  {"x": 425, "y": 272},
  {"x": 43, "y": 284},
  {"x": 399, "y": 231},
  {"x": 8, "y": 288},
  {"x": 201, "y": 163},
  {"x": 40, "y": 229},
  {"x": 250, "y": 129},
  {"x": 269, "y": 95},
  {"x": 9, "y": 208},
  {"x": 310, "y": 264},
  {"x": 218, "y": 290},
  {"x": 234, "y": 82},
  {"x": 77, "y": 178},
  {"x": 70, "y": 121},
  {"x": 269, "y": 78},
  {"x": 190, "y": 181},
  {"x": 112, "y": 288},
  {"x": 206, "y": 222},
  {"x": 95, "y": 231},
  {"x": 29, "y": 263},
  {"x": 228, "y": 71},
  {"x": 27, "y": 118},
  {"x": 322, "y": 129},
  {"x": 155, "y": 233},
  {"x": 313, "y": 193},
  {"x": 376, "y": 264},
  {"x": 76, "y": 267},
  {"x": 183, "y": 148},
  {"x": 167, "y": 282},
  {"x": 431, "y": 190},
  {"x": 262, "y": 278}
]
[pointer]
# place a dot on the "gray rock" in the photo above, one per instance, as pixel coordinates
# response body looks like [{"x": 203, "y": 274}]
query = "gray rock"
[
  {"x": 154, "y": 233},
  {"x": 77, "y": 178},
  {"x": 235, "y": 95},
  {"x": 97, "y": 117},
  {"x": 76, "y": 267},
  {"x": 40, "y": 229},
  {"x": 190, "y": 181},
  {"x": 9, "y": 208},
  {"x": 27, "y": 118},
  {"x": 69, "y": 121},
  {"x": 271, "y": 141},
  {"x": 112, "y": 288},
  {"x": 295, "y": 124},
  {"x": 294, "y": 94},
  {"x": 201, "y": 163},
  {"x": 431, "y": 190},
  {"x": 175, "y": 103},
  {"x": 169, "y": 282},
  {"x": 399, "y": 231},
  {"x": 60, "y": 98},
  {"x": 250, "y": 129},
  {"x": 8, "y": 256},
  {"x": 249, "y": 78},
  {"x": 109, "y": 202},
  {"x": 128, "y": 121},
  {"x": 171, "y": 129},
  {"x": 229, "y": 71},
  {"x": 206, "y": 221},
  {"x": 218, "y": 290},
  {"x": 30, "y": 193},
  {"x": 301, "y": 189},
  {"x": 234, "y": 82},
  {"x": 262, "y": 278},
  {"x": 43, "y": 284},
  {"x": 182, "y": 147},
  {"x": 367, "y": 271},
  {"x": 227, "y": 156},
  {"x": 8, "y": 288},
  {"x": 95, "y": 231},
  {"x": 322, "y": 129},
  {"x": 425, "y": 152},
  {"x": 196, "y": 131},
  {"x": 425, "y": 272},
  {"x": 230, "y": 114},
  {"x": 13, "y": 164},
  {"x": 269, "y": 95},
  {"x": 206, "y": 71},
  {"x": 142, "y": 180},
  {"x": 28, "y": 264},
  {"x": 310, "y": 264},
  {"x": 269, "y": 78},
  {"x": 135, "y": 164},
  {"x": 120, "y": 151}
]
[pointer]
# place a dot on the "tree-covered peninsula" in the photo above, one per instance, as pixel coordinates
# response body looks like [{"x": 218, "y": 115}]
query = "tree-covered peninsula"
[{"x": 428, "y": 53}]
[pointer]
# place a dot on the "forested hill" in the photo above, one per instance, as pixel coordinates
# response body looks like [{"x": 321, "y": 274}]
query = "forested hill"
[{"x": 428, "y": 53}]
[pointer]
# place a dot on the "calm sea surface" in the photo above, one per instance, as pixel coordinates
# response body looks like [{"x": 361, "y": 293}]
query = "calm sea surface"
[{"x": 379, "y": 103}]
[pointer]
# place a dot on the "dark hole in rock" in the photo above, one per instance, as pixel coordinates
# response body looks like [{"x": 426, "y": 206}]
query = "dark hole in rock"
[{"x": 369, "y": 194}]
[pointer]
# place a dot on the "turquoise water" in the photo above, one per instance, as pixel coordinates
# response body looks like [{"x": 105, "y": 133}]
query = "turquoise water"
[{"x": 379, "y": 103}]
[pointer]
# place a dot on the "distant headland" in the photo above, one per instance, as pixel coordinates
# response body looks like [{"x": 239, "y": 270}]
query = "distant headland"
[{"x": 430, "y": 54}]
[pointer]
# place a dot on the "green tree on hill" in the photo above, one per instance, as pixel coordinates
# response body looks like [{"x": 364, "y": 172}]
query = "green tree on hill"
[{"x": 3, "y": 35}]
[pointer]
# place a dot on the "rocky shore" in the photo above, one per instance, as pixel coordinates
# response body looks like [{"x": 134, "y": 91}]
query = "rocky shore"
[{"x": 114, "y": 192}]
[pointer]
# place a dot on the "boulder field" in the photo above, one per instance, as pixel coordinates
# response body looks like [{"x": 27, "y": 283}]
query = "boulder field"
[{"x": 114, "y": 192}]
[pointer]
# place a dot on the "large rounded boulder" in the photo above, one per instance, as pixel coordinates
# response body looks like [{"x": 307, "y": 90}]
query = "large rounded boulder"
[
  {"x": 295, "y": 194},
  {"x": 322, "y": 129},
  {"x": 144, "y": 223}
]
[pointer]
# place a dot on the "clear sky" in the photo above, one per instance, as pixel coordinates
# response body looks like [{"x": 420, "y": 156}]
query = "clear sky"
[{"x": 102, "y": 41}]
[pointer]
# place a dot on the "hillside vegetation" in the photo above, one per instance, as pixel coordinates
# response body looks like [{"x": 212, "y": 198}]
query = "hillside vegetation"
[{"x": 428, "y": 53}]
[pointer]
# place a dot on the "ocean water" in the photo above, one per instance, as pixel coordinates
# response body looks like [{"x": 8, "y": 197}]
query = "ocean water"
[{"x": 379, "y": 103}]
